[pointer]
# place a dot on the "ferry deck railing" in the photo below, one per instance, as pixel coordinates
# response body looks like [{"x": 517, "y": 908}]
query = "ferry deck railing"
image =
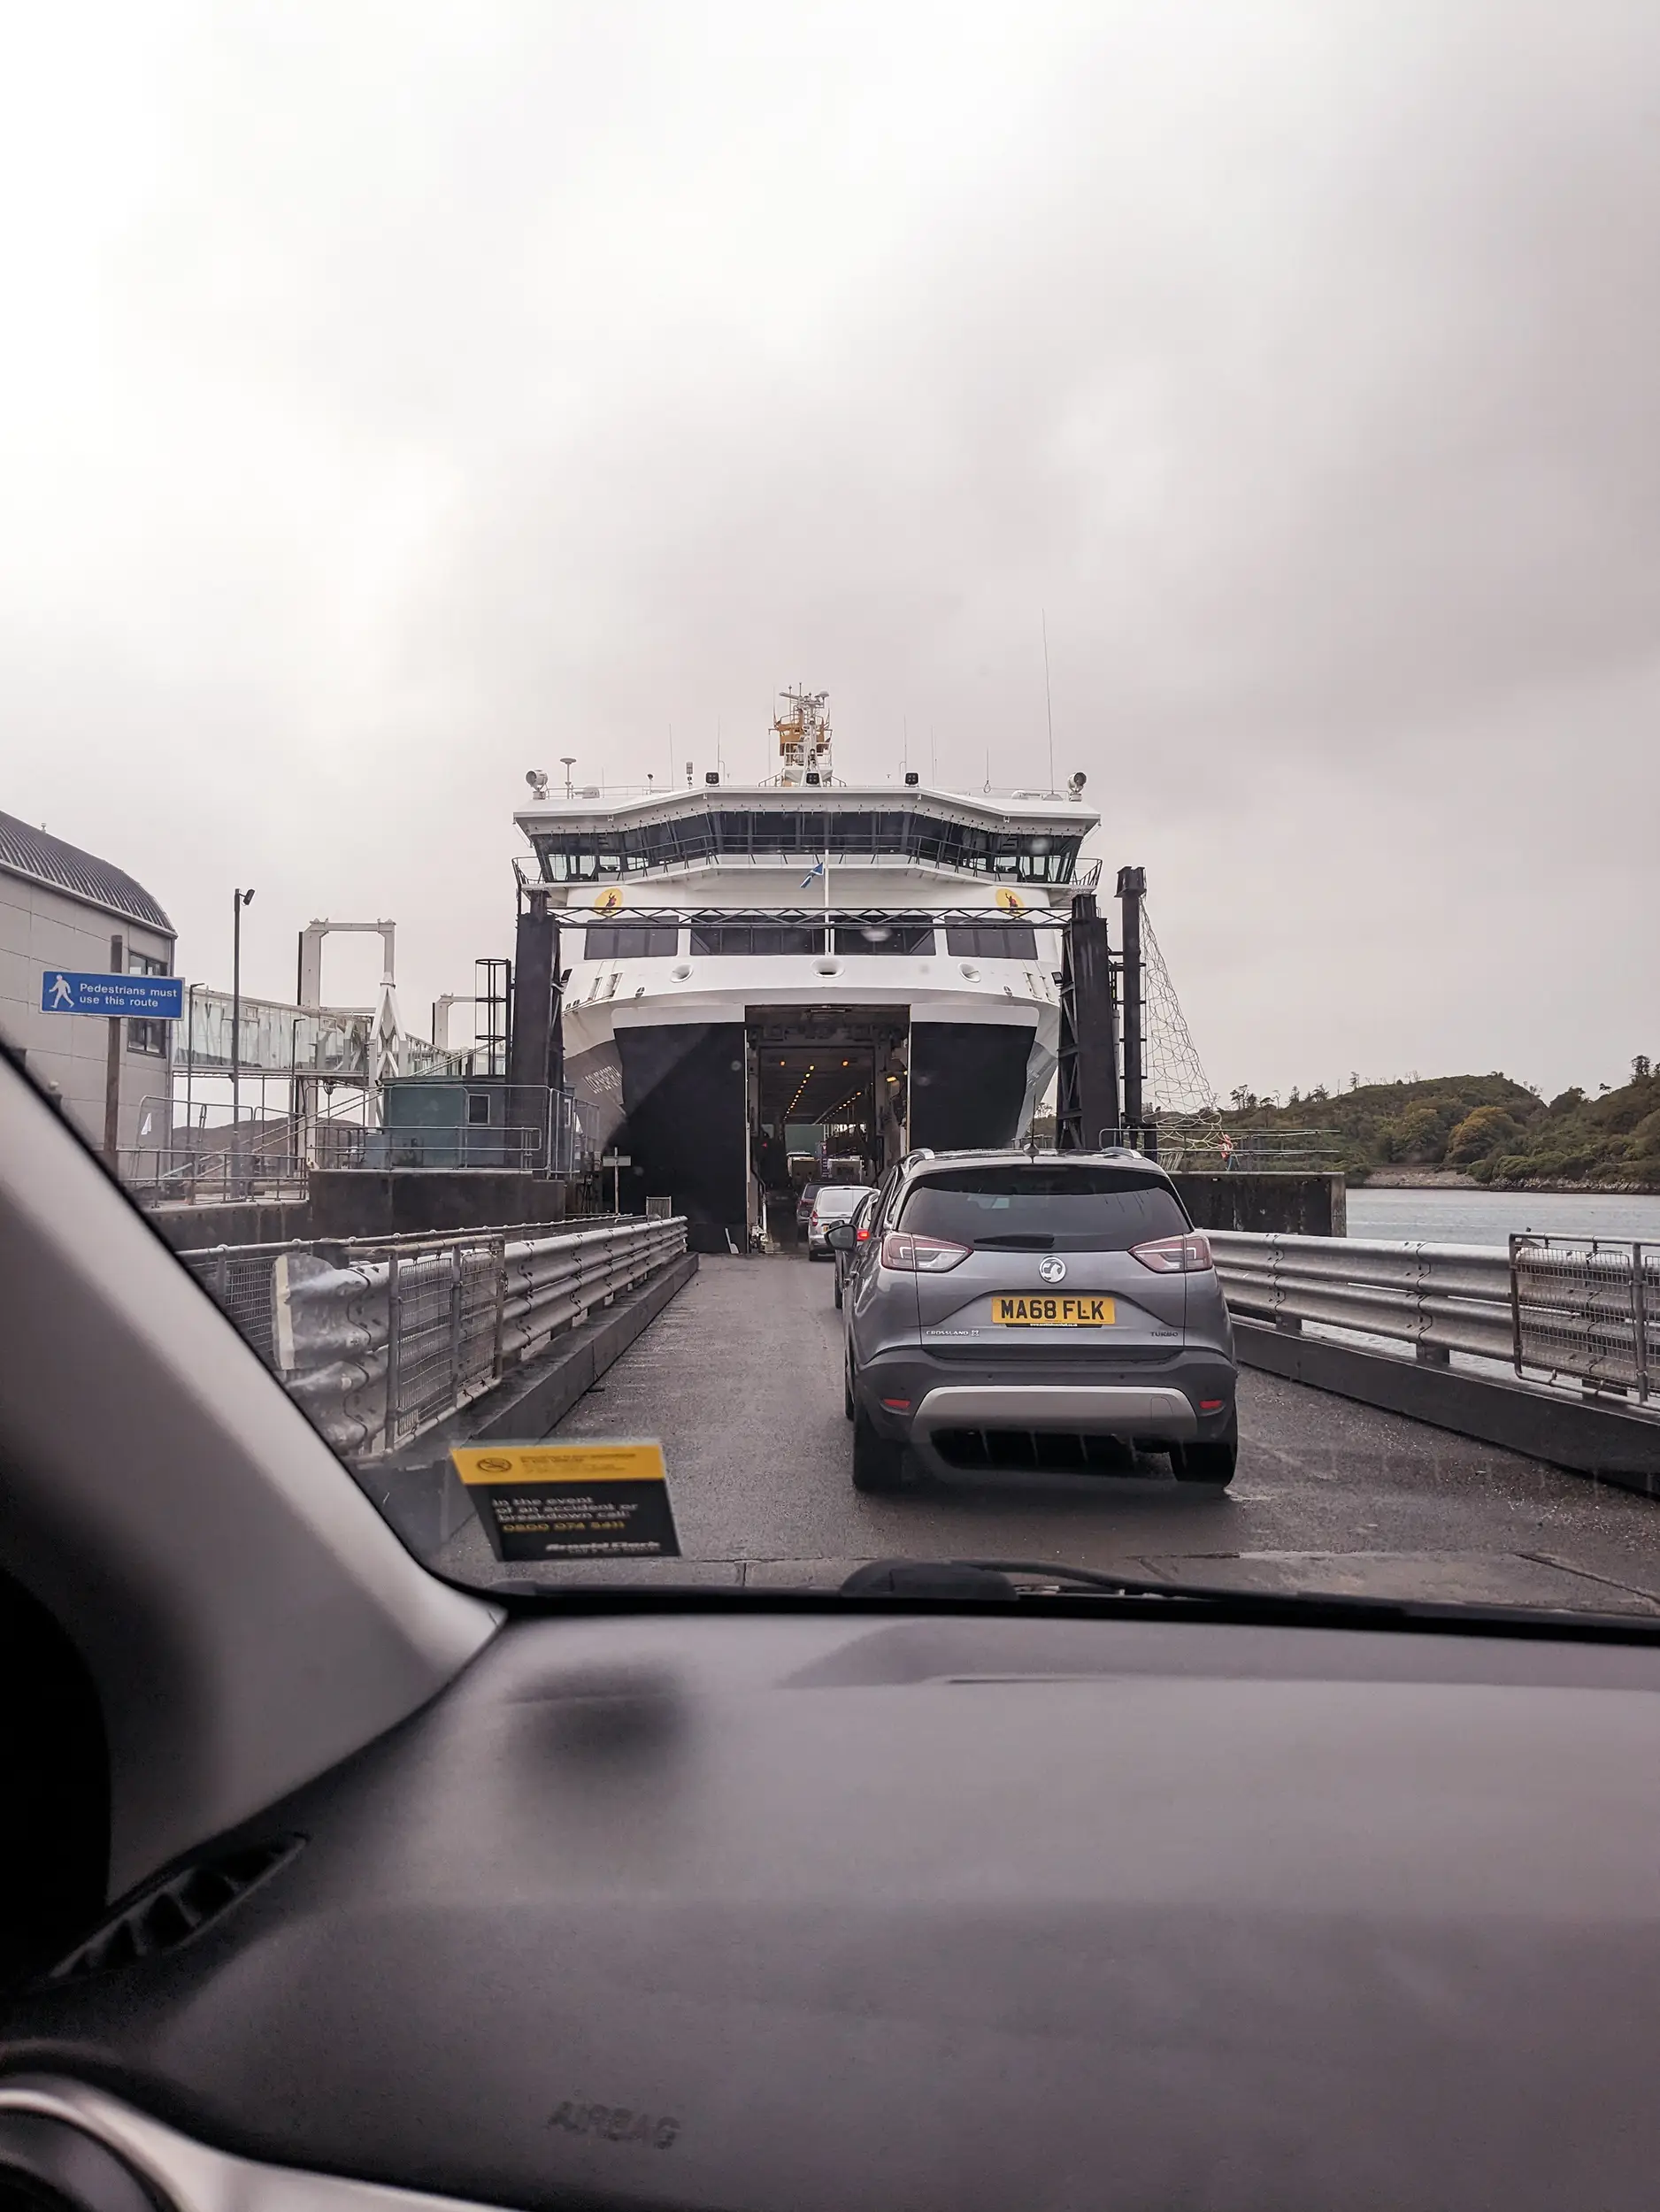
[
  {"x": 379, "y": 1339},
  {"x": 1560, "y": 1310}
]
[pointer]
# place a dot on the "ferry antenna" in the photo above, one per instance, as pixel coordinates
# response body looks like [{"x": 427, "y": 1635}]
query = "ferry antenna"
[{"x": 1048, "y": 702}]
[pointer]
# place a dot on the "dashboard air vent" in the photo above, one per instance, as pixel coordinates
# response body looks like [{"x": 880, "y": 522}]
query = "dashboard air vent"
[{"x": 172, "y": 1911}]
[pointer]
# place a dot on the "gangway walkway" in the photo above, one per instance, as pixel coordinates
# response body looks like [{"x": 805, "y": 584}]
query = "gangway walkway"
[{"x": 740, "y": 1379}]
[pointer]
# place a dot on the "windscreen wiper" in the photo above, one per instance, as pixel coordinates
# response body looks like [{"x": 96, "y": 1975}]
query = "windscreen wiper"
[{"x": 1023, "y": 1581}]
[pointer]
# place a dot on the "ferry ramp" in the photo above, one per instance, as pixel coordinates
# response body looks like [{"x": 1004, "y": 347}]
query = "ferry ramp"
[{"x": 740, "y": 1378}]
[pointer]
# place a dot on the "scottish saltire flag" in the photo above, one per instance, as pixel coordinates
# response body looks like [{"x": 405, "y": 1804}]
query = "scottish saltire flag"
[{"x": 813, "y": 874}]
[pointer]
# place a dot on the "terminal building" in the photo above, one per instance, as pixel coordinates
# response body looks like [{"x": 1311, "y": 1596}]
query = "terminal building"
[{"x": 63, "y": 908}]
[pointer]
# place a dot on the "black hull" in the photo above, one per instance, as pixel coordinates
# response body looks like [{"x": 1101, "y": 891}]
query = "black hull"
[
  {"x": 967, "y": 1083},
  {"x": 684, "y": 1126},
  {"x": 681, "y": 1118}
]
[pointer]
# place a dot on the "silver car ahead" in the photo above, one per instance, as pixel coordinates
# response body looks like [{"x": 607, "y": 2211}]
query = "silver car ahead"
[
  {"x": 834, "y": 1202},
  {"x": 1037, "y": 1314}
]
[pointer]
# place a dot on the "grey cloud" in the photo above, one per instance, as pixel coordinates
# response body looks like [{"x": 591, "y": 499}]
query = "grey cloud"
[{"x": 529, "y": 379}]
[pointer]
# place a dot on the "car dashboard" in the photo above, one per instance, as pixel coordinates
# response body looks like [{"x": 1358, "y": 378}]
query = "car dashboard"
[{"x": 832, "y": 1907}]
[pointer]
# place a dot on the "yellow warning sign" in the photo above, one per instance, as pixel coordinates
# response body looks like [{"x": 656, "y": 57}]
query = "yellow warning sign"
[
  {"x": 1010, "y": 902},
  {"x": 608, "y": 902},
  {"x": 559, "y": 1462},
  {"x": 570, "y": 1501}
]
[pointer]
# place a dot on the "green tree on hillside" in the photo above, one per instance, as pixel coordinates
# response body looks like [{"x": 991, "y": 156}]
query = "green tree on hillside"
[{"x": 1489, "y": 1126}]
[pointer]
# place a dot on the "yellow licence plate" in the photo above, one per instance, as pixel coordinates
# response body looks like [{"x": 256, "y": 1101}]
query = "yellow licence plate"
[{"x": 1048, "y": 1312}]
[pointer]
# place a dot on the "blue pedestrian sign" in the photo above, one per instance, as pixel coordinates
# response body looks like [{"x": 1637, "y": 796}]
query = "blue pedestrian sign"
[{"x": 156, "y": 998}]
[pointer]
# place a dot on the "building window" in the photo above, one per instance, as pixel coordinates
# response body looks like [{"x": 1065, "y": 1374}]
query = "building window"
[{"x": 150, "y": 1038}]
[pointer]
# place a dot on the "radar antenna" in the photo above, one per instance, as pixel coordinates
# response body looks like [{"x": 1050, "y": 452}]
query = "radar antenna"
[{"x": 803, "y": 731}]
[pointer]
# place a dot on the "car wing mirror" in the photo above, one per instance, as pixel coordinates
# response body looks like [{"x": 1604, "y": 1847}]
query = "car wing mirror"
[{"x": 839, "y": 1236}]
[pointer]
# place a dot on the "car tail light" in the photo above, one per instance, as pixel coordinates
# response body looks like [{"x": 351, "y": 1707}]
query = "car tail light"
[
  {"x": 921, "y": 1256},
  {"x": 1175, "y": 1255},
  {"x": 861, "y": 1236},
  {"x": 812, "y": 1218}
]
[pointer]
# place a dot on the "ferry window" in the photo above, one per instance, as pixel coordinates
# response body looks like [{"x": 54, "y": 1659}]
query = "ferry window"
[
  {"x": 478, "y": 1108},
  {"x": 632, "y": 941},
  {"x": 581, "y": 857},
  {"x": 669, "y": 842},
  {"x": 726, "y": 938},
  {"x": 992, "y": 940},
  {"x": 884, "y": 937}
]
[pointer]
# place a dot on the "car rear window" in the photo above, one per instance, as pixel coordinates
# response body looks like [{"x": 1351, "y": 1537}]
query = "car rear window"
[
  {"x": 1044, "y": 1209},
  {"x": 844, "y": 1198}
]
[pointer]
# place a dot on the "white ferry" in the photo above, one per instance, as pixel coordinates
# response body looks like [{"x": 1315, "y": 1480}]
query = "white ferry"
[{"x": 857, "y": 969}]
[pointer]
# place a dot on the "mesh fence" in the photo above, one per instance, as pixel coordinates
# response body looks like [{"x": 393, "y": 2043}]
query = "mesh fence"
[
  {"x": 1588, "y": 1309},
  {"x": 442, "y": 1310},
  {"x": 379, "y": 1339},
  {"x": 241, "y": 1284}
]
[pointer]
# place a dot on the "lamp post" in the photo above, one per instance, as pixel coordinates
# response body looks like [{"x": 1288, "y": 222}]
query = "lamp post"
[
  {"x": 189, "y": 1079},
  {"x": 239, "y": 899}
]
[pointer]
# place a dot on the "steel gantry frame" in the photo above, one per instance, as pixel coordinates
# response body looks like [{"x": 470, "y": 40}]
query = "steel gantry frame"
[{"x": 1100, "y": 1093}]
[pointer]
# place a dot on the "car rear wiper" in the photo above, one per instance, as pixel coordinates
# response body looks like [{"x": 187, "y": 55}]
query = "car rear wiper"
[{"x": 1015, "y": 1581}]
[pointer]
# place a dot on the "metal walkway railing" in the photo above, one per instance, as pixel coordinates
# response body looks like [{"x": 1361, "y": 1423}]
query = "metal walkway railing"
[
  {"x": 1559, "y": 1309},
  {"x": 379, "y": 1340}
]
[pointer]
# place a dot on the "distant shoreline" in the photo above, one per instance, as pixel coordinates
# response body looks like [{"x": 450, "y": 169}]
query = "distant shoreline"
[
  {"x": 1416, "y": 1178},
  {"x": 1450, "y": 1178}
]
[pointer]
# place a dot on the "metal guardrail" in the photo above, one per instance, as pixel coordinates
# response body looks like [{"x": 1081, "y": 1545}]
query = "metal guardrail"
[
  {"x": 1204, "y": 1144},
  {"x": 378, "y": 1341},
  {"x": 276, "y": 1155},
  {"x": 1558, "y": 1308},
  {"x": 1588, "y": 1308}
]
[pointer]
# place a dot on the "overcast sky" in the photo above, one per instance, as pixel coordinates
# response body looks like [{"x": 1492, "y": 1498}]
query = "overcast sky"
[{"x": 396, "y": 397}]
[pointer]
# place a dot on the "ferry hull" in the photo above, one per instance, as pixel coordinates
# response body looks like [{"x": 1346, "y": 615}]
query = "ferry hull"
[
  {"x": 969, "y": 1082},
  {"x": 685, "y": 1130},
  {"x": 671, "y": 1097}
]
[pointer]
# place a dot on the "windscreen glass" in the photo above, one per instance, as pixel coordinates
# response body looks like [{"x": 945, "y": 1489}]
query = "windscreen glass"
[{"x": 618, "y": 623}]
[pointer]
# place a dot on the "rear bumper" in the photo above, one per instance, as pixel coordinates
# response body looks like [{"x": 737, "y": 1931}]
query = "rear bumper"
[
  {"x": 1091, "y": 1408},
  {"x": 1164, "y": 1407}
]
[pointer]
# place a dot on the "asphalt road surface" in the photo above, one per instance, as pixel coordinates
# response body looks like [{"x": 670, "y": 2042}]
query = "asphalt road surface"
[{"x": 740, "y": 1379}]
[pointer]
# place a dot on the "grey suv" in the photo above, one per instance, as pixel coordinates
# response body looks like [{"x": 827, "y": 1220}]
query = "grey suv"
[{"x": 1037, "y": 1314}]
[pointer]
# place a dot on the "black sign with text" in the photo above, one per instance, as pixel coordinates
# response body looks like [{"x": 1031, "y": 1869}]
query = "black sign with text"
[{"x": 570, "y": 1501}]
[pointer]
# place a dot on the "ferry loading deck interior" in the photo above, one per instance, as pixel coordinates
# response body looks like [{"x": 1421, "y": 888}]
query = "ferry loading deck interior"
[{"x": 831, "y": 1084}]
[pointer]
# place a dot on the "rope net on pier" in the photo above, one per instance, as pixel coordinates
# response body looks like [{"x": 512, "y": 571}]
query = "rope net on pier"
[{"x": 1175, "y": 1085}]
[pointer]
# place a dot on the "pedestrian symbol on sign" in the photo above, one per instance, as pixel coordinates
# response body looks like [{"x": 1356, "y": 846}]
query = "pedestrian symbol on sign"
[{"x": 62, "y": 996}]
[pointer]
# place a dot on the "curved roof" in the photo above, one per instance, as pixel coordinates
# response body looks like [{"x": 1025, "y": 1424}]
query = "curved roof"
[{"x": 28, "y": 851}]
